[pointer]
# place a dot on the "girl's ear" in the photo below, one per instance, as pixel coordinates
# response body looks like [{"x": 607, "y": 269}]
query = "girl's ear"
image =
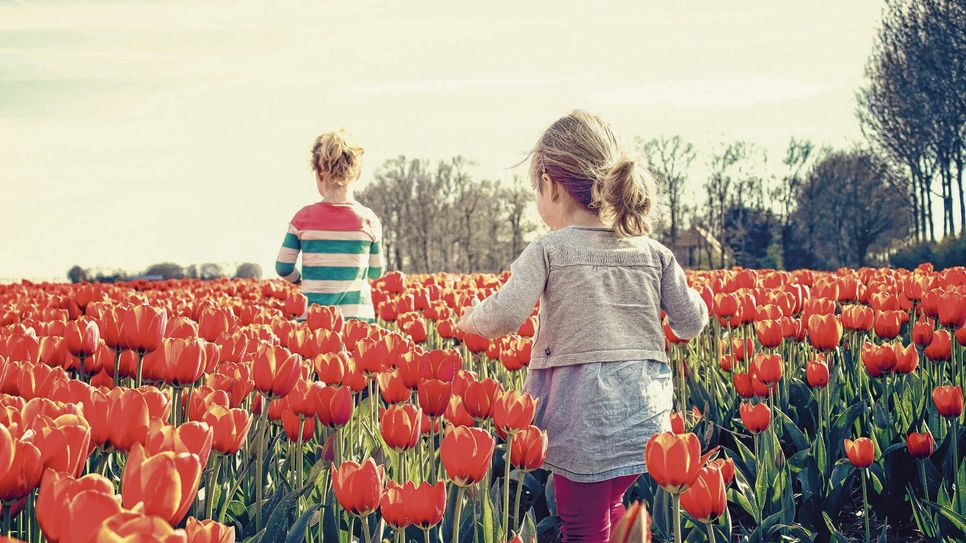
[{"x": 552, "y": 185}]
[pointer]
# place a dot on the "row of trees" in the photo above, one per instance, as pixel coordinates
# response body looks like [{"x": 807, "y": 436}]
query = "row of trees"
[
  {"x": 168, "y": 270},
  {"x": 913, "y": 107},
  {"x": 442, "y": 218},
  {"x": 828, "y": 208}
]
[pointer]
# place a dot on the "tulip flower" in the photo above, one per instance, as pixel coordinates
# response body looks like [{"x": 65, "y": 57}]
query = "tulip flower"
[
  {"x": 25, "y": 470},
  {"x": 952, "y": 309},
  {"x": 824, "y": 332},
  {"x": 673, "y": 460},
  {"x": 276, "y": 371},
  {"x": 57, "y": 490},
  {"x": 922, "y": 332},
  {"x": 82, "y": 337},
  {"x": 755, "y": 417},
  {"x": 769, "y": 333},
  {"x": 529, "y": 449},
  {"x": 478, "y": 398},
  {"x": 861, "y": 454},
  {"x": 742, "y": 383},
  {"x": 191, "y": 437},
  {"x": 229, "y": 428},
  {"x": 331, "y": 367},
  {"x": 320, "y": 317},
  {"x": 940, "y": 346},
  {"x": 857, "y": 318},
  {"x": 166, "y": 483},
  {"x": 466, "y": 454},
  {"x": 816, "y": 373},
  {"x": 358, "y": 487},
  {"x": 513, "y": 411},
  {"x": 333, "y": 406},
  {"x": 209, "y": 531},
  {"x": 633, "y": 527},
  {"x": 136, "y": 526},
  {"x": 948, "y": 400},
  {"x": 705, "y": 500},
  {"x": 392, "y": 387},
  {"x": 400, "y": 426},
  {"x": 410, "y": 505},
  {"x": 920, "y": 445},
  {"x": 85, "y": 513},
  {"x": 295, "y": 305},
  {"x": 64, "y": 442},
  {"x": 434, "y": 396},
  {"x": 142, "y": 328},
  {"x": 769, "y": 367}
]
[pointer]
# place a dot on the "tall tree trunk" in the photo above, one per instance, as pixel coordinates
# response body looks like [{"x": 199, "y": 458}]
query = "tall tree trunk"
[{"x": 962, "y": 196}]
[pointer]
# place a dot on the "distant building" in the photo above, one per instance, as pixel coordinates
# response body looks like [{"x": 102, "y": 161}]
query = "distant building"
[{"x": 696, "y": 248}]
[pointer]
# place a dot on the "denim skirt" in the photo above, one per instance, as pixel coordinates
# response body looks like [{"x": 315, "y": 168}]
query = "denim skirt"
[{"x": 599, "y": 416}]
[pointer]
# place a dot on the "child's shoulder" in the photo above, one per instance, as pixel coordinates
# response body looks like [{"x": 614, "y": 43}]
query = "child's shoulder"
[
  {"x": 567, "y": 240},
  {"x": 338, "y": 216}
]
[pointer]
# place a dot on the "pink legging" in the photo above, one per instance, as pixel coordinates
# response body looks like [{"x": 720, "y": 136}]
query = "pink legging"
[{"x": 588, "y": 510}]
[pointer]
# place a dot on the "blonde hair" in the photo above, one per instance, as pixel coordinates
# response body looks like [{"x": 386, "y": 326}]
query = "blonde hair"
[
  {"x": 581, "y": 152},
  {"x": 335, "y": 160}
]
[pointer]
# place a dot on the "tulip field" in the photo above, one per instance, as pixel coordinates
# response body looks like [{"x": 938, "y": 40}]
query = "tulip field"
[{"x": 816, "y": 406}]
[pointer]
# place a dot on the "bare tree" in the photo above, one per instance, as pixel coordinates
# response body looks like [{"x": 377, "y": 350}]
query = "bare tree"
[{"x": 670, "y": 158}]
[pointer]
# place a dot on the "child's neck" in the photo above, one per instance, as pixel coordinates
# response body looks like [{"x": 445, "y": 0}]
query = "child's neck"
[
  {"x": 583, "y": 218},
  {"x": 337, "y": 196}
]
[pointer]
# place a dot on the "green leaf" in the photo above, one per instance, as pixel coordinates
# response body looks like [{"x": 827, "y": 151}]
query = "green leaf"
[
  {"x": 835, "y": 536},
  {"x": 278, "y": 521},
  {"x": 297, "y": 533},
  {"x": 957, "y": 520},
  {"x": 793, "y": 432}
]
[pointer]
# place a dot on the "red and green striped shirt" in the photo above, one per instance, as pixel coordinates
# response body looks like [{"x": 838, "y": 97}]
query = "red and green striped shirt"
[{"x": 341, "y": 247}]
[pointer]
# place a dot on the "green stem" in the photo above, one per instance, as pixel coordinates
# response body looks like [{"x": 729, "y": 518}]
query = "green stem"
[
  {"x": 426, "y": 536},
  {"x": 865, "y": 508},
  {"x": 7, "y": 509},
  {"x": 710, "y": 528},
  {"x": 516, "y": 502},
  {"x": 117, "y": 366},
  {"x": 298, "y": 455},
  {"x": 954, "y": 430},
  {"x": 676, "y": 505},
  {"x": 432, "y": 449},
  {"x": 365, "y": 529},
  {"x": 922, "y": 479},
  {"x": 352, "y": 526},
  {"x": 506, "y": 487},
  {"x": 456, "y": 515},
  {"x": 259, "y": 461},
  {"x": 80, "y": 368},
  {"x": 210, "y": 488},
  {"x": 137, "y": 378}
]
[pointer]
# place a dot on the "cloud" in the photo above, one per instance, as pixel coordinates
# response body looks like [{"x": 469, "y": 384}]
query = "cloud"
[
  {"x": 722, "y": 92},
  {"x": 450, "y": 85}
]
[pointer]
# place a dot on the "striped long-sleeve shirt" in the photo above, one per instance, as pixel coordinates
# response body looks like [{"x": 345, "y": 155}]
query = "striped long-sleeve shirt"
[{"x": 341, "y": 247}]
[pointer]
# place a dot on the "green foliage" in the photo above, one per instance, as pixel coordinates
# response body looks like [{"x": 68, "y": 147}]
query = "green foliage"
[{"x": 947, "y": 253}]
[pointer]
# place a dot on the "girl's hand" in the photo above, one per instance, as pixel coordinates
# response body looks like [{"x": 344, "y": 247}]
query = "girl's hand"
[{"x": 464, "y": 324}]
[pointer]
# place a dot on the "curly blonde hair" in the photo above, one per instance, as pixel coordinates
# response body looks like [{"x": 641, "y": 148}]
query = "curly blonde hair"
[
  {"x": 581, "y": 152},
  {"x": 335, "y": 160}
]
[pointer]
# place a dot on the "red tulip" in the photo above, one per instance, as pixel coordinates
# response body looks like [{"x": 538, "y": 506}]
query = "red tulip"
[
  {"x": 824, "y": 332},
  {"x": 948, "y": 400},
  {"x": 392, "y": 387},
  {"x": 755, "y": 417},
  {"x": 742, "y": 382},
  {"x": 137, "y": 526},
  {"x": 952, "y": 309},
  {"x": 466, "y": 454},
  {"x": 276, "y": 370},
  {"x": 816, "y": 373},
  {"x": 920, "y": 445},
  {"x": 333, "y": 406},
  {"x": 922, "y": 332},
  {"x": 229, "y": 428},
  {"x": 82, "y": 337},
  {"x": 940, "y": 347},
  {"x": 456, "y": 412},
  {"x": 705, "y": 499},
  {"x": 434, "y": 396},
  {"x": 479, "y": 396},
  {"x": 209, "y": 531},
  {"x": 400, "y": 426},
  {"x": 331, "y": 367},
  {"x": 673, "y": 460},
  {"x": 769, "y": 333},
  {"x": 142, "y": 328},
  {"x": 888, "y": 324},
  {"x": 295, "y": 305},
  {"x": 861, "y": 452},
  {"x": 858, "y": 318},
  {"x": 57, "y": 490},
  {"x": 513, "y": 411},
  {"x": 64, "y": 442},
  {"x": 166, "y": 483},
  {"x": 358, "y": 487},
  {"x": 769, "y": 368},
  {"x": 191, "y": 437},
  {"x": 529, "y": 449},
  {"x": 634, "y": 526},
  {"x": 25, "y": 470}
]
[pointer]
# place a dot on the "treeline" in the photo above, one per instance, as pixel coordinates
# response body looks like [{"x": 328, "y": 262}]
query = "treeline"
[
  {"x": 168, "y": 270},
  {"x": 440, "y": 217},
  {"x": 913, "y": 108}
]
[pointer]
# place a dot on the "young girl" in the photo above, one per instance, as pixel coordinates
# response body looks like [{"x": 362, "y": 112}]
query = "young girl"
[
  {"x": 599, "y": 369},
  {"x": 339, "y": 238}
]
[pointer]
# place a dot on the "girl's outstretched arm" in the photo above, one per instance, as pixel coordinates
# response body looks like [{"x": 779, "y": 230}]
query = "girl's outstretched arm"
[
  {"x": 287, "y": 255},
  {"x": 686, "y": 313},
  {"x": 506, "y": 310}
]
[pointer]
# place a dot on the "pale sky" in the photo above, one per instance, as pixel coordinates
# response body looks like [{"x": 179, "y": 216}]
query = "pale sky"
[{"x": 134, "y": 132}]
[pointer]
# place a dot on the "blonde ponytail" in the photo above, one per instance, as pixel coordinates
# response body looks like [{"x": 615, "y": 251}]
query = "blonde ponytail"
[
  {"x": 581, "y": 152},
  {"x": 335, "y": 160}
]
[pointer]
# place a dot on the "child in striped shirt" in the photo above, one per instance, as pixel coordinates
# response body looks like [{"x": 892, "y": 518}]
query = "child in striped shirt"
[{"x": 339, "y": 238}]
